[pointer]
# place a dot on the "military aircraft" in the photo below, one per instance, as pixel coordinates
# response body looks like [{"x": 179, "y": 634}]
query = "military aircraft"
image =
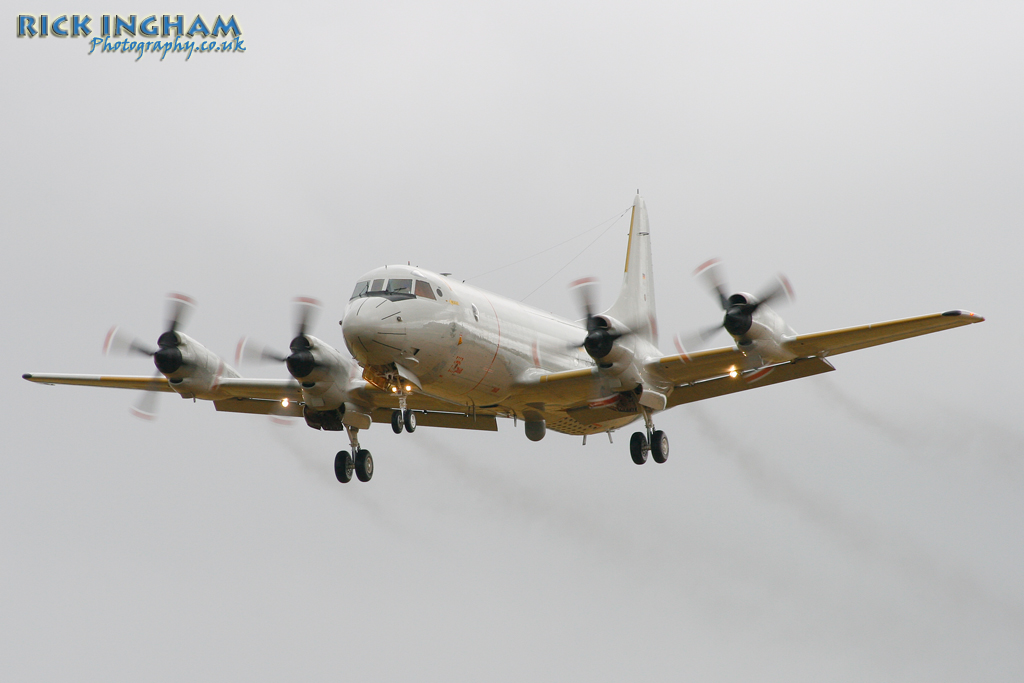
[{"x": 428, "y": 350}]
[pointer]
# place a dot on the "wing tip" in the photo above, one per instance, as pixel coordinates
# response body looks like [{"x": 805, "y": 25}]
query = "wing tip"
[{"x": 957, "y": 312}]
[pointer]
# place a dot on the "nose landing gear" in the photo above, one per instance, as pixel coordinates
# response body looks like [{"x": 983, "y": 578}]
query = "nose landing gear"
[{"x": 403, "y": 419}]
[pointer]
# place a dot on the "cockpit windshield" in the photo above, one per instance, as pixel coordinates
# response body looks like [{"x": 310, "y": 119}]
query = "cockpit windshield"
[
  {"x": 399, "y": 286},
  {"x": 361, "y": 289},
  {"x": 394, "y": 289}
]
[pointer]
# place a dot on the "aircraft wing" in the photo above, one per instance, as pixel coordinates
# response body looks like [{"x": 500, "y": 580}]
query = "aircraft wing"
[
  {"x": 853, "y": 338},
  {"x": 570, "y": 387},
  {"x": 233, "y": 387},
  {"x": 142, "y": 382},
  {"x": 430, "y": 410},
  {"x": 685, "y": 368},
  {"x": 772, "y": 374}
]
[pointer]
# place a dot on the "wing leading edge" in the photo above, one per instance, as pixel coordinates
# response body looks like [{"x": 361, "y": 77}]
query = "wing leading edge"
[
  {"x": 855, "y": 338},
  {"x": 684, "y": 368}
]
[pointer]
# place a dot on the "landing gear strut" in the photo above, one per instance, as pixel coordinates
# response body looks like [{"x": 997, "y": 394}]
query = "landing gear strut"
[{"x": 654, "y": 442}]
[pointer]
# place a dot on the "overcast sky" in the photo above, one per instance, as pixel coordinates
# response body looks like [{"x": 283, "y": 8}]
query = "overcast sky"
[{"x": 864, "y": 525}]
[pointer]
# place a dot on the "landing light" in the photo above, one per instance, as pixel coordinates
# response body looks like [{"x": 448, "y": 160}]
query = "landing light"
[
  {"x": 733, "y": 373},
  {"x": 285, "y": 402},
  {"x": 408, "y": 387},
  {"x": 394, "y": 390}
]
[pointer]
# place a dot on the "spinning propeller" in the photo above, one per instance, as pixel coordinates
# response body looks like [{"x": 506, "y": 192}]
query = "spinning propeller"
[
  {"x": 600, "y": 337},
  {"x": 167, "y": 356},
  {"x": 739, "y": 308},
  {"x": 301, "y": 361}
]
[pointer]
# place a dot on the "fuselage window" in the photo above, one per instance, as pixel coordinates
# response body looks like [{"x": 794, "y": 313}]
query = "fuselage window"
[
  {"x": 377, "y": 286},
  {"x": 423, "y": 290},
  {"x": 399, "y": 286},
  {"x": 360, "y": 289}
]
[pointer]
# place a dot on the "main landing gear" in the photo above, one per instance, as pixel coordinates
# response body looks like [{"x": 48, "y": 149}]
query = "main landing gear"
[
  {"x": 654, "y": 442},
  {"x": 345, "y": 464},
  {"x": 359, "y": 460}
]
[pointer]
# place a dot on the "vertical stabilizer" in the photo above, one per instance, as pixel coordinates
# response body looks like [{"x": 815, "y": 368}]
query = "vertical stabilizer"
[{"x": 635, "y": 305}]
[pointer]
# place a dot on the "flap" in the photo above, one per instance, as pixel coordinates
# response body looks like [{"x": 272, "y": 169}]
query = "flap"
[{"x": 773, "y": 374}]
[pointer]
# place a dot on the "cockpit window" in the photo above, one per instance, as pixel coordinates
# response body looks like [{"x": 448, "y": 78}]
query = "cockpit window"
[
  {"x": 396, "y": 289},
  {"x": 360, "y": 290},
  {"x": 399, "y": 286},
  {"x": 423, "y": 290}
]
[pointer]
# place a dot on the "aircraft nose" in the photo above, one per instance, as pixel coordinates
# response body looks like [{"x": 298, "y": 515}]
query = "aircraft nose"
[{"x": 373, "y": 329}]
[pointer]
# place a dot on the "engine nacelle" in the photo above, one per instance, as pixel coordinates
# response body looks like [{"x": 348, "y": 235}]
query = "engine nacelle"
[
  {"x": 323, "y": 373},
  {"x": 191, "y": 369},
  {"x": 617, "y": 349},
  {"x": 763, "y": 342}
]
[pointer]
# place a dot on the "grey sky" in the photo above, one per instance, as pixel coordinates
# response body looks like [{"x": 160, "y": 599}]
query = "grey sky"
[{"x": 864, "y": 525}]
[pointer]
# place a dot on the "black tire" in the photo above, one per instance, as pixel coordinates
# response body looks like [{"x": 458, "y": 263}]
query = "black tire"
[
  {"x": 659, "y": 446},
  {"x": 396, "y": 421},
  {"x": 638, "y": 448},
  {"x": 343, "y": 467},
  {"x": 410, "y": 421},
  {"x": 364, "y": 465}
]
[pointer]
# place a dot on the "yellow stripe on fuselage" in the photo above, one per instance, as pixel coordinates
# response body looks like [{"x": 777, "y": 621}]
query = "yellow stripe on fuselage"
[{"x": 629, "y": 245}]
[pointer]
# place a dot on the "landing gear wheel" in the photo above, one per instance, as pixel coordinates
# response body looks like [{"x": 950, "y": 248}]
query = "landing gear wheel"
[
  {"x": 659, "y": 446},
  {"x": 364, "y": 465},
  {"x": 638, "y": 448},
  {"x": 396, "y": 421},
  {"x": 410, "y": 421},
  {"x": 343, "y": 466}
]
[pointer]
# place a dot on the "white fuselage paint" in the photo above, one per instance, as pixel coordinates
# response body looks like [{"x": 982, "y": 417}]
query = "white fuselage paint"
[
  {"x": 468, "y": 346},
  {"x": 471, "y": 347}
]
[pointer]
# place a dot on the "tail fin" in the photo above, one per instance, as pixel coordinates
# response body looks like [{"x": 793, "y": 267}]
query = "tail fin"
[{"x": 635, "y": 305}]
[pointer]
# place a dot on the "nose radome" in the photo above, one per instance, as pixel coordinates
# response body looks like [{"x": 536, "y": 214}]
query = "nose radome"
[{"x": 374, "y": 326}]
